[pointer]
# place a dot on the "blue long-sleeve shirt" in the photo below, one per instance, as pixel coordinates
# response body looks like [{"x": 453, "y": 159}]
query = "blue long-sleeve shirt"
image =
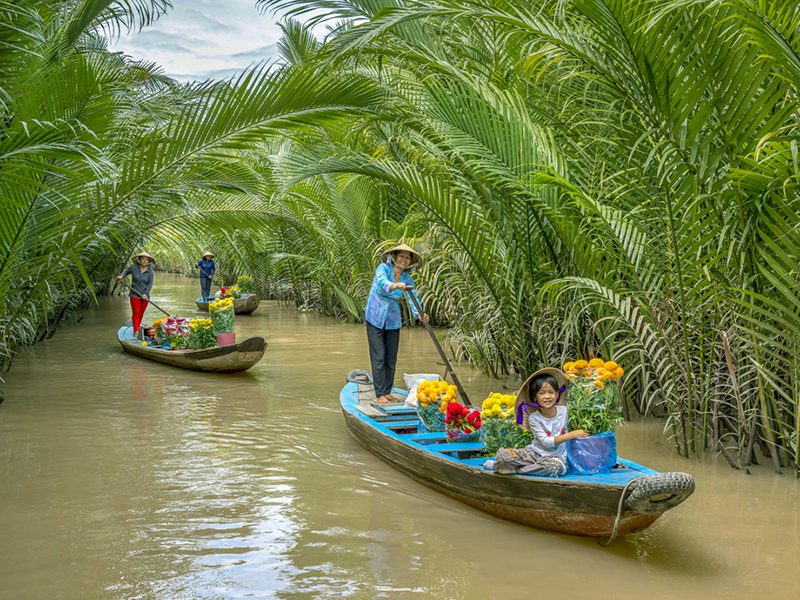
[
  {"x": 208, "y": 266},
  {"x": 141, "y": 282},
  {"x": 383, "y": 310}
]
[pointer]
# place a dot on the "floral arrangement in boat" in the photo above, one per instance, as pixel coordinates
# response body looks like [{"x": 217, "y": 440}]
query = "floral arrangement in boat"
[
  {"x": 433, "y": 398},
  {"x": 245, "y": 283},
  {"x": 499, "y": 427},
  {"x": 222, "y": 315},
  {"x": 174, "y": 330},
  {"x": 593, "y": 395},
  {"x": 201, "y": 334},
  {"x": 462, "y": 423},
  {"x": 234, "y": 292}
]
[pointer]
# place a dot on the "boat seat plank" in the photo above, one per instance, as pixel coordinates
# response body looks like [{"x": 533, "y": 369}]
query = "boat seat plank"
[
  {"x": 412, "y": 437},
  {"x": 369, "y": 410},
  {"x": 456, "y": 447},
  {"x": 391, "y": 424}
]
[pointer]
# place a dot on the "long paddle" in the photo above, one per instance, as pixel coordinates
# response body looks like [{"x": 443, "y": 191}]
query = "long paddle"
[
  {"x": 143, "y": 298},
  {"x": 447, "y": 364}
]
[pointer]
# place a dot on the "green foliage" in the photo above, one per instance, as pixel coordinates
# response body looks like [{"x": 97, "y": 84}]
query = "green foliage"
[{"x": 503, "y": 433}]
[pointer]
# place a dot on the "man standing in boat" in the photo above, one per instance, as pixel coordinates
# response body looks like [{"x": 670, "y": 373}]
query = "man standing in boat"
[{"x": 207, "y": 269}]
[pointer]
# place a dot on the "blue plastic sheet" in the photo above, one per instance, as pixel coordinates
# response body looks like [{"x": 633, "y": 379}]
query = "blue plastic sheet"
[{"x": 593, "y": 455}]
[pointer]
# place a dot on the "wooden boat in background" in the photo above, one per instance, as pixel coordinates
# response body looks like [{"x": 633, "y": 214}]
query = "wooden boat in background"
[
  {"x": 572, "y": 504},
  {"x": 222, "y": 359},
  {"x": 245, "y": 305}
]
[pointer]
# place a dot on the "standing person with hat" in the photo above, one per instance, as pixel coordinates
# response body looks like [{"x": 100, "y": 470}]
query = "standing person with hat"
[
  {"x": 391, "y": 280},
  {"x": 207, "y": 270},
  {"x": 142, "y": 278}
]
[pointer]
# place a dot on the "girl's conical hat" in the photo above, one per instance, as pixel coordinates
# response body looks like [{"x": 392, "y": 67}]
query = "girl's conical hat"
[{"x": 143, "y": 253}]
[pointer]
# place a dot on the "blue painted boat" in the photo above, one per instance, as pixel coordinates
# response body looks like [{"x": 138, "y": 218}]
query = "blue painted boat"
[{"x": 627, "y": 500}]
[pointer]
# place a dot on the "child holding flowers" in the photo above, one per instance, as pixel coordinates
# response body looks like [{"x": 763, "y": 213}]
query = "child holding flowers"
[{"x": 537, "y": 411}]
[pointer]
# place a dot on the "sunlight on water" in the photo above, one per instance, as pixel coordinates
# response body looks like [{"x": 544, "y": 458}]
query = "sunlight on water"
[{"x": 122, "y": 478}]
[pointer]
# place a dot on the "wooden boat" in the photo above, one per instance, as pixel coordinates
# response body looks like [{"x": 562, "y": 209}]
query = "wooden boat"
[
  {"x": 245, "y": 305},
  {"x": 222, "y": 359},
  {"x": 626, "y": 501}
]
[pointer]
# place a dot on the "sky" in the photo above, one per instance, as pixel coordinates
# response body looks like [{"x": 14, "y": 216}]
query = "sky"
[{"x": 202, "y": 39}]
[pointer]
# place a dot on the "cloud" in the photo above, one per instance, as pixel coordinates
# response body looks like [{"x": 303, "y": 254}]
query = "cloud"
[{"x": 262, "y": 53}]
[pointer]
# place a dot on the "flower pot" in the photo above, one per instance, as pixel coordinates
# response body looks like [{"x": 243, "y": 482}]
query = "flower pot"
[{"x": 226, "y": 339}]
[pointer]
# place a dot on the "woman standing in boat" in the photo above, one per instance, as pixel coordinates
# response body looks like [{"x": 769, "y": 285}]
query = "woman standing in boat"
[
  {"x": 391, "y": 280},
  {"x": 207, "y": 270},
  {"x": 142, "y": 277}
]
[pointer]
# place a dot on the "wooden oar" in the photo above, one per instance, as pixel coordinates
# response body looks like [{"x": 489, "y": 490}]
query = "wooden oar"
[
  {"x": 143, "y": 298},
  {"x": 447, "y": 364}
]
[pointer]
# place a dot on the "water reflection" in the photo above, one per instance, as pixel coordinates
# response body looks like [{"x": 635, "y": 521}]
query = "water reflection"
[{"x": 121, "y": 478}]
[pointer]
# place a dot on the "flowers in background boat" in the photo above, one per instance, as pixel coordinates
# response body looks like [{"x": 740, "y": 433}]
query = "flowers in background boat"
[
  {"x": 222, "y": 317},
  {"x": 462, "y": 423},
  {"x": 235, "y": 292},
  {"x": 499, "y": 427},
  {"x": 245, "y": 283},
  {"x": 593, "y": 401},
  {"x": 201, "y": 334},
  {"x": 433, "y": 398}
]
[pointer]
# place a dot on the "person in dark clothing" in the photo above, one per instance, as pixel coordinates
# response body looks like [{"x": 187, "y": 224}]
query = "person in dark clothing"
[
  {"x": 142, "y": 278},
  {"x": 207, "y": 269}
]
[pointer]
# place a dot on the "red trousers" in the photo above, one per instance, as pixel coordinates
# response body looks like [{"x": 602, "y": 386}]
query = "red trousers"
[{"x": 138, "y": 305}]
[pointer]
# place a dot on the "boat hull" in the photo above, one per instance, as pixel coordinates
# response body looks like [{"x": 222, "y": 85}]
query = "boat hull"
[
  {"x": 221, "y": 359},
  {"x": 242, "y": 306},
  {"x": 582, "y": 506}
]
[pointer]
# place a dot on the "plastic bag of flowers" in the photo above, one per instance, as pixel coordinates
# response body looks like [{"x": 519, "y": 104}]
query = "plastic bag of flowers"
[
  {"x": 222, "y": 316},
  {"x": 201, "y": 334},
  {"x": 594, "y": 403},
  {"x": 462, "y": 423},
  {"x": 499, "y": 429},
  {"x": 433, "y": 397},
  {"x": 235, "y": 292}
]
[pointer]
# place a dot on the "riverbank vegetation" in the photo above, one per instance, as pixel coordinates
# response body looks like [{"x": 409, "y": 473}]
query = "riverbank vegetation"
[{"x": 614, "y": 178}]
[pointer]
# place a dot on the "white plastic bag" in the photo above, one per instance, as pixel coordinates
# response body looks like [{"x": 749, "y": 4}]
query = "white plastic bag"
[{"x": 412, "y": 381}]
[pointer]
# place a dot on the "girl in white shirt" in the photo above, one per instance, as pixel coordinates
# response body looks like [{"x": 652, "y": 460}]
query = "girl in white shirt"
[{"x": 538, "y": 412}]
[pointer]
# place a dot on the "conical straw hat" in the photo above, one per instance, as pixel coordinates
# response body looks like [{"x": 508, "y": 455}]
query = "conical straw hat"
[
  {"x": 523, "y": 395},
  {"x": 143, "y": 253},
  {"x": 207, "y": 253},
  {"x": 416, "y": 259}
]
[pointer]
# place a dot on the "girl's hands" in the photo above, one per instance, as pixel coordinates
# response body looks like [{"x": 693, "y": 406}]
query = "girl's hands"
[
  {"x": 399, "y": 286},
  {"x": 425, "y": 318},
  {"x": 578, "y": 433}
]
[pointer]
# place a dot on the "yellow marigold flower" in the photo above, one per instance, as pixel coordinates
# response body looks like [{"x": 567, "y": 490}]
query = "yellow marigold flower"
[
  {"x": 619, "y": 372},
  {"x": 611, "y": 365},
  {"x": 568, "y": 366},
  {"x": 599, "y": 384},
  {"x": 596, "y": 362},
  {"x": 580, "y": 364}
]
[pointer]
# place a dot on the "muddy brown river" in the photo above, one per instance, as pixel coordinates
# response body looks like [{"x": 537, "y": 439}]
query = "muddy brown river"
[{"x": 124, "y": 479}]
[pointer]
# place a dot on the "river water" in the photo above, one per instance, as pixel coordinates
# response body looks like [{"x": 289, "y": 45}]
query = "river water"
[{"x": 122, "y": 478}]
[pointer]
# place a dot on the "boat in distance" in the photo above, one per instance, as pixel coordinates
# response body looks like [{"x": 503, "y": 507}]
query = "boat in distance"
[
  {"x": 628, "y": 500},
  {"x": 220, "y": 359},
  {"x": 245, "y": 305}
]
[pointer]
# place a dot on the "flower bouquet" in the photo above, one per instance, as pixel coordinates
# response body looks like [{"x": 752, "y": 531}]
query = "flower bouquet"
[
  {"x": 235, "y": 292},
  {"x": 499, "y": 429},
  {"x": 433, "y": 398},
  {"x": 201, "y": 334},
  {"x": 462, "y": 423},
  {"x": 594, "y": 404},
  {"x": 245, "y": 284},
  {"x": 176, "y": 331},
  {"x": 158, "y": 327}
]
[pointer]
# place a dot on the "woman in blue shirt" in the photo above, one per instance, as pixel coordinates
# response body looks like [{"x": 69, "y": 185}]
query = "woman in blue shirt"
[
  {"x": 207, "y": 270},
  {"x": 383, "y": 315}
]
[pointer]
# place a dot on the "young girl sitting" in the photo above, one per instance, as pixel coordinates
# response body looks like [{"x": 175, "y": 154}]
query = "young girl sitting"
[{"x": 538, "y": 412}]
